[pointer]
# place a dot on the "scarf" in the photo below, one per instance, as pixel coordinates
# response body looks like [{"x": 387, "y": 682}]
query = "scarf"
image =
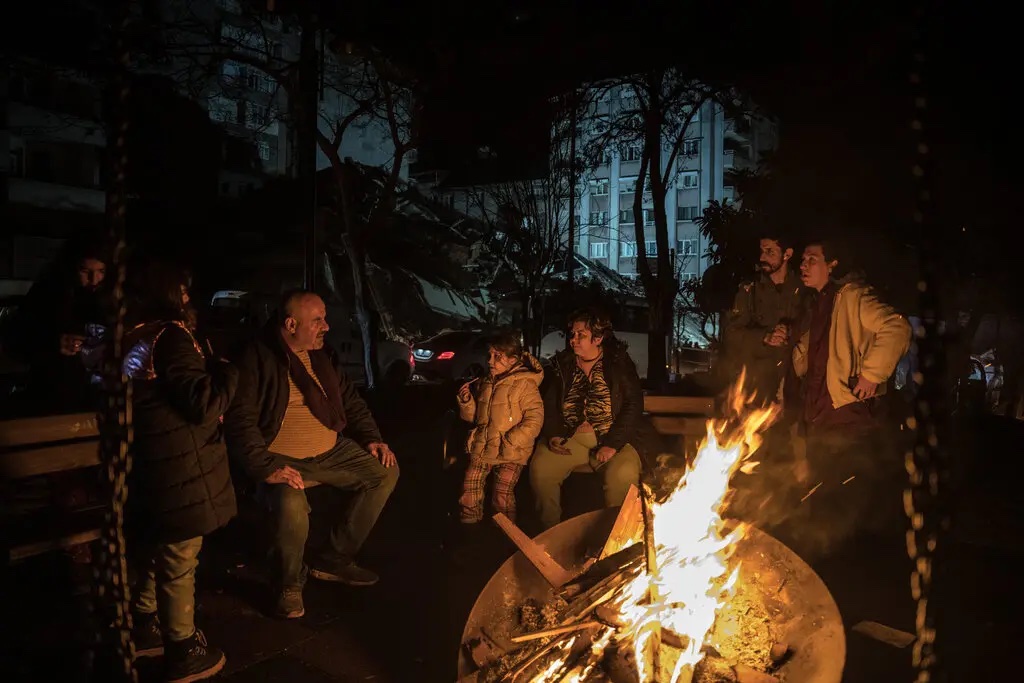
[{"x": 323, "y": 399}]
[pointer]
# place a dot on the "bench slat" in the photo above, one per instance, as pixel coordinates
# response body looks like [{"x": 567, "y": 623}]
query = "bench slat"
[
  {"x": 36, "y": 430},
  {"x": 26, "y": 550},
  {"x": 686, "y": 426},
  {"x": 31, "y": 462},
  {"x": 679, "y": 405}
]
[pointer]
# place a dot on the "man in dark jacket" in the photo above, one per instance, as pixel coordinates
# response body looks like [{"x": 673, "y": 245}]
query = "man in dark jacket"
[
  {"x": 180, "y": 485},
  {"x": 297, "y": 419},
  {"x": 593, "y": 417},
  {"x": 759, "y": 329}
]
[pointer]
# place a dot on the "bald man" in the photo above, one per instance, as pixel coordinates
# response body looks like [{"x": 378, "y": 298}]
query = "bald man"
[{"x": 298, "y": 418}]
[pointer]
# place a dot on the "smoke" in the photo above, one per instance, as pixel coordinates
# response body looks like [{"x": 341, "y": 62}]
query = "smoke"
[{"x": 817, "y": 494}]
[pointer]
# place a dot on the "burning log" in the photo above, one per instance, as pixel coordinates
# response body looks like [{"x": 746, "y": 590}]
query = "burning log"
[{"x": 628, "y": 528}]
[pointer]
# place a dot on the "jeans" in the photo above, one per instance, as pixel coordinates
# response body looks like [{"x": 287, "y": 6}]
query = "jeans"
[
  {"x": 548, "y": 470},
  {"x": 167, "y": 584},
  {"x": 348, "y": 467}
]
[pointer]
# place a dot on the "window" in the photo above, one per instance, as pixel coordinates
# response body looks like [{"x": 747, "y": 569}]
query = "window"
[
  {"x": 691, "y": 148},
  {"x": 649, "y": 216},
  {"x": 599, "y": 188},
  {"x": 598, "y": 250},
  {"x": 628, "y": 250},
  {"x": 631, "y": 153},
  {"x": 687, "y": 248},
  {"x": 686, "y": 277},
  {"x": 598, "y": 217},
  {"x": 264, "y": 150},
  {"x": 223, "y": 110},
  {"x": 606, "y": 156},
  {"x": 652, "y": 247},
  {"x": 626, "y": 216},
  {"x": 690, "y": 179},
  {"x": 257, "y": 116},
  {"x": 627, "y": 185},
  {"x": 687, "y": 213}
]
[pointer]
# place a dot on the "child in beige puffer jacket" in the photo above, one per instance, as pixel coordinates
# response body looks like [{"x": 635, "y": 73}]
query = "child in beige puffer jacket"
[{"x": 507, "y": 412}]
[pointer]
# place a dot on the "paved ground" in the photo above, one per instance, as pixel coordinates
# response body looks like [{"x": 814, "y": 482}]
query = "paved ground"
[{"x": 408, "y": 627}]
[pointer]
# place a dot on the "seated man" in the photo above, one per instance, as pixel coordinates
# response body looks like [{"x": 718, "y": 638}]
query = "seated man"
[
  {"x": 593, "y": 411},
  {"x": 297, "y": 418}
]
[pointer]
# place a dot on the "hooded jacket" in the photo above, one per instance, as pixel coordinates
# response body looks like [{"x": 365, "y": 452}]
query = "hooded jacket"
[
  {"x": 507, "y": 414},
  {"x": 180, "y": 484}
]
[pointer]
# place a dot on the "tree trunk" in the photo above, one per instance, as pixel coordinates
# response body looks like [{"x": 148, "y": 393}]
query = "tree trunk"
[{"x": 362, "y": 314}]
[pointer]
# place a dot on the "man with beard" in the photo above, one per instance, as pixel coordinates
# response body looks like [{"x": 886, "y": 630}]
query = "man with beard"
[
  {"x": 298, "y": 418},
  {"x": 759, "y": 328}
]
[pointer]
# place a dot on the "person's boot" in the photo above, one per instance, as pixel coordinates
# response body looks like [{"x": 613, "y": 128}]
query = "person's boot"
[
  {"x": 289, "y": 604},
  {"x": 192, "y": 659},
  {"x": 146, "y": 634}
]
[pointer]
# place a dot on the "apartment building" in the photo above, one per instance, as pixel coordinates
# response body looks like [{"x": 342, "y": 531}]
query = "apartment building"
[
  {"x": 253, "y": 108},
  {"x": 54, "y": 141},
  {"x": 714, "y": 150}
]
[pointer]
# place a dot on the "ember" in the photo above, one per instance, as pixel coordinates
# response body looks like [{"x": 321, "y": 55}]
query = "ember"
[{"x": 681, "y": 596}]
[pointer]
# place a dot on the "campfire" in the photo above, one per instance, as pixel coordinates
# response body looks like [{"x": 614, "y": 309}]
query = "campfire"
[{"x": 672, "y": 593}]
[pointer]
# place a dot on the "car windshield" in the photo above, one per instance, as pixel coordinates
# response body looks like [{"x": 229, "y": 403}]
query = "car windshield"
[{"x": 450, "y": 339}]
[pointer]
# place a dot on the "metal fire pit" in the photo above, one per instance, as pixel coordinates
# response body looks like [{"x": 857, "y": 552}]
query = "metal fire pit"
[{"x": 811, "y": 625}]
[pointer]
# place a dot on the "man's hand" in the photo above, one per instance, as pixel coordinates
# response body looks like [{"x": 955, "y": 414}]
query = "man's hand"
[
  {"x": 605, "y": 453},
  {"x": 381, "y": 451},
  {"x": 286, "y": 475},
  {"x": 864, "y": 389},
  {"x": 71, "y": 344},
  {"x": 779, "y": 336},
  {"x": 557, "y": 445}
]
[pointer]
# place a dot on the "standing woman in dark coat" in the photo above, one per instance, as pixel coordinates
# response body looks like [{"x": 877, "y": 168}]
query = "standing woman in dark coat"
[{"x": 180, "y": 487}]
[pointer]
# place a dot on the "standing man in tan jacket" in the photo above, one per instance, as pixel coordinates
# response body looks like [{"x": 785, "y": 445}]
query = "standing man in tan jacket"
[{"x": 846, "y": 355}]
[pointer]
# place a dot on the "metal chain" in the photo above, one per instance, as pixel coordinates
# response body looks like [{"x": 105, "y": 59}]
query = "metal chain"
[
  {"x": 115, "y": 419},
  {"x": 926, "y": 462}
]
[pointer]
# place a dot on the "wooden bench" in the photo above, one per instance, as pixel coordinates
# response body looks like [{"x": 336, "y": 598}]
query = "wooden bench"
[
  {"x": 39, "y": 446},
  {"x": 682, "y": 417}
]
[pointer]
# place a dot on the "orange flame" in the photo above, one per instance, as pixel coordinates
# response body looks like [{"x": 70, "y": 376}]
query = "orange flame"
[{"x": 694, "y": 549}]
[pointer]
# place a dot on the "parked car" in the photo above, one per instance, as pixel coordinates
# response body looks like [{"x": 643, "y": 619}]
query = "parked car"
[
  {"x": 234, "y": 315},
  {"x": 451, "y": 356}
]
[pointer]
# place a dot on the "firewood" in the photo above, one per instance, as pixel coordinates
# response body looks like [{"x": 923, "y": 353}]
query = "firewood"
[
  {"x": 628, "y": 525},
  {"x": 613, "y": 564},
  {"x": 744, "y": 674},
  {"x": 552, "y": 572},
  {"x": 779, "y": 651},
  {"x": 579, "y": 626}
]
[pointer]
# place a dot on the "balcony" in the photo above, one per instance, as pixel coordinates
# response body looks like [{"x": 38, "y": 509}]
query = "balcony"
[{"x": 735, "y": 160}]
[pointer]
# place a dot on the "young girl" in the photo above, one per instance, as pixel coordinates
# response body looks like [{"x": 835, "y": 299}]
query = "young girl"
[{"x": 507, "y": 413}]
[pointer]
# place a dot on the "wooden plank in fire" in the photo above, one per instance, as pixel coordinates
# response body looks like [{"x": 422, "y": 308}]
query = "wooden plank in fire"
[
  {"x": 553, "y": 573},
  {"x": 629, "y": 525}
]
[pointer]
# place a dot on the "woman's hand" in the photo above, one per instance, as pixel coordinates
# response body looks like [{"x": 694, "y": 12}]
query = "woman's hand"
[{"x": 557, "y": 445}]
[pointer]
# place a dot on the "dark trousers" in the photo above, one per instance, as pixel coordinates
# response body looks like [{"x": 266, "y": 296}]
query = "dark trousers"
[
  {"x": 349, "y": 467},
  {"x": 854, "y": 489}
]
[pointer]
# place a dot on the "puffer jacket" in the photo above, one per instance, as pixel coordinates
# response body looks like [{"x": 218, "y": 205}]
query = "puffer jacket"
[
  {"x": 507, "y": 414},
  {"x": 180, "y": 485}
]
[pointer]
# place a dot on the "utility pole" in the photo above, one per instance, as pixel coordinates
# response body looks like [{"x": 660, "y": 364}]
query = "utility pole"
[{"x": 309, "y": 99}]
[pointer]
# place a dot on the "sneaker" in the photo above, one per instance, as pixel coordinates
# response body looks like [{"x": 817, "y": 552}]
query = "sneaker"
[
  {"x": 146, "y": 634},
  {"x": 193, "y": 660},
  {"x": 351, "y": 573},
  {"x": 289, "y": 604}
]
